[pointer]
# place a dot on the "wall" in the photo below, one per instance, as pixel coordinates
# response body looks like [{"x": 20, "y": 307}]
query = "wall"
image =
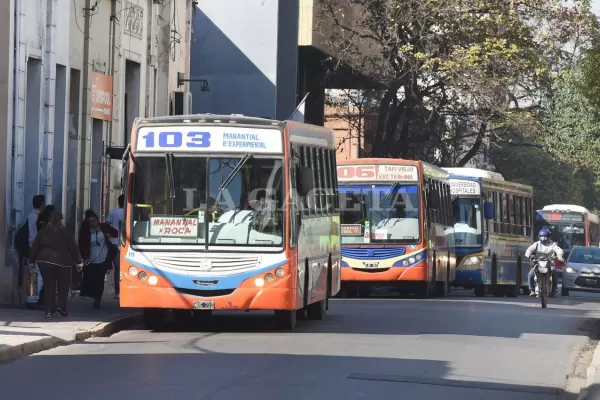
[
  {"x": 238, "y": 54},
  {"x": 7, "y": 269},
  {"x": 60, "y": 43}
]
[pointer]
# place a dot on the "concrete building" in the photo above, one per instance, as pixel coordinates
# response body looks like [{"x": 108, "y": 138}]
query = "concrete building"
[{"x": 82, "y": 71}]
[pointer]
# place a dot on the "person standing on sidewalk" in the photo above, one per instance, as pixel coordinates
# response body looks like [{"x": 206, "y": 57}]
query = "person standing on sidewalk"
[
  {"x": 98, "y": 253},
  {"x": 114, "y": 219},
  {"x": 55, "y": 251},
  {"x": 38, "y": 205}
]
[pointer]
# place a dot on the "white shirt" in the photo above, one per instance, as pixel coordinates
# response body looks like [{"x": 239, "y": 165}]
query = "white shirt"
[
  {"x": 98, "y": 248},
  {"x": 548, "y": 249},
  {"x": 32, "y": 220},
  {"x": 115, "y": 217}
]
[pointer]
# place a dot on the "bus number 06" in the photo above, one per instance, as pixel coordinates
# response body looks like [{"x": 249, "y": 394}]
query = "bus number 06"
[
  {"x": 176, "y": 139},
  {"x": 358, "y": 171}
]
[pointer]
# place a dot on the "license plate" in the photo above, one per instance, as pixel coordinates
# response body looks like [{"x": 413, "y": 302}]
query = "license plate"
[
  {"x": 591, "y": 281},
  {"x": 204, "y": 305}
]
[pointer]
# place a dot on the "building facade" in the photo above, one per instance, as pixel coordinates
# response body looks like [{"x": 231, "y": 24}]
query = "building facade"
[{"x": 80, "y": 72}]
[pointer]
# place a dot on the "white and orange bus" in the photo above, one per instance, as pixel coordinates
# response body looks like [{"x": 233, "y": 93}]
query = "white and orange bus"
[
  {"x": 226, "y": 212},
  {"x": 396, "y": 226}
]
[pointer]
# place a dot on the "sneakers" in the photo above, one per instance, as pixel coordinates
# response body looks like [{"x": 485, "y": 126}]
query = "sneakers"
[
  {"x": 532, "y": 293},
  {"x": 49, "y": 314},
  {"x": 62, "y": 312}
]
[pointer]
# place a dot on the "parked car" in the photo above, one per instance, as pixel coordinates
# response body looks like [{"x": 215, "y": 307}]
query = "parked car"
[{"x": 581, "y": 271}]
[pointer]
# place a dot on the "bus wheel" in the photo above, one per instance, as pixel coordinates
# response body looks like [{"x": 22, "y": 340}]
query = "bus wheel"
[
  {"x": 154, "y": 318},
  {"x": 479, "y": 290},
  {"x": 441, "y": 289},
  {"x": 286, "y": 319},
  {"x": 316, "y": 311}
]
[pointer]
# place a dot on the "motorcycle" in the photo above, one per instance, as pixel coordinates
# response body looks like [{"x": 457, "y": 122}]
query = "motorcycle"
[{"x": 543, "y": 277}]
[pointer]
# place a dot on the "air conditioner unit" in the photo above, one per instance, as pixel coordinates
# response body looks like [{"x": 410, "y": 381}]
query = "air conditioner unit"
[{"x": 181, "y": 103}]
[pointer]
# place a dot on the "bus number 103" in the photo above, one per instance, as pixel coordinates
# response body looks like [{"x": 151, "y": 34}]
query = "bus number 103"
[{"x": 176, "y": 139}]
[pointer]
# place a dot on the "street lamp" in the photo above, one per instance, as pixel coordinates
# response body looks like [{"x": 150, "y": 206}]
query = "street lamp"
[{"x": 203, "y": 82}]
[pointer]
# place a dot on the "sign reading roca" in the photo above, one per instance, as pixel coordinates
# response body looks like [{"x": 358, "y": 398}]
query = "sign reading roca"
[{"x": 101, "y": 96}]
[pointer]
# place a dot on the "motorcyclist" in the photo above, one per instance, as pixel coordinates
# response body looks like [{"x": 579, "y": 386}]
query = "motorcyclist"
[{"x": 545, "y": 245}]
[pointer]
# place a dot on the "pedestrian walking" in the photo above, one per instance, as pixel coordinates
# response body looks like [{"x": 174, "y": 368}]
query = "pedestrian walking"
[
  {"x": 114, "y": 219},
  {"x": 55, "y": 252},
  {"x": 41, "y": 222},
  {"x": 98, "y": 253}
]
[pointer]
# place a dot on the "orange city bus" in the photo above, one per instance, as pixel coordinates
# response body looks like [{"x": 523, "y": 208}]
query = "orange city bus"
[
  {"x": 229, "y": 213},
  {"x": 396, "y": 226}
]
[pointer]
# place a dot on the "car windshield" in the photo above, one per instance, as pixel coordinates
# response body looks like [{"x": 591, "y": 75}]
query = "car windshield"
[
  {"x": 380, "y": 214},
  {"x": 197, "y": 200},
  {"x": 468, "y": 222},
  {"x": 585, "y": 255}
]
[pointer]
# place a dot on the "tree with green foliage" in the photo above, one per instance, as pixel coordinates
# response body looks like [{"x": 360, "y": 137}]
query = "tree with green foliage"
[{"x": 450, "y": 72}]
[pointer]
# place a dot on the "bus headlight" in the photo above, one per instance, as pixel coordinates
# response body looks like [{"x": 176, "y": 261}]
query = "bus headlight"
[
  {"x": 412, "y": 260},
  {"x": 269, "y": 278},
  {"x": 279, "y": 272},
  {"x": 259, "y": 282},
  {"x": 473, "y": 260},
  {"x": 153, "y": 280},
  {"x": 142, "y": 275},
  {"x": 133, "y": 271}
]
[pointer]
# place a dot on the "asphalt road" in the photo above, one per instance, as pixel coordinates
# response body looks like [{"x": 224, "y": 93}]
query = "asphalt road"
[{"x": 383, "y": 348}]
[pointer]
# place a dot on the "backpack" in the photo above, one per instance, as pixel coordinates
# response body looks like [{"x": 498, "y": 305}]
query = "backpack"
[{"x": 22, "y": 240}]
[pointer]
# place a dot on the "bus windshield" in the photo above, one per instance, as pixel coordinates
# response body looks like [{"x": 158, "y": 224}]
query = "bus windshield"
[
  {"x": 386, "y": 214},
  {"x": 210, "y": 201},
  {"x": 566, "y": 235},
  {"x": 468, "y": 221}
]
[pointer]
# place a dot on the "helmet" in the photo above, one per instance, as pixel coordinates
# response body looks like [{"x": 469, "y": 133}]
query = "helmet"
[{"x": 544, "y": 236}]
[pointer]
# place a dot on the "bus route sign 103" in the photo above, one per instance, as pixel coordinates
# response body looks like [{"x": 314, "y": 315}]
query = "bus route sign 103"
[
  {"x": 209, "y": 139},
  {"x": 464, "y": 187},
  {"x": 175, "y": 227}
]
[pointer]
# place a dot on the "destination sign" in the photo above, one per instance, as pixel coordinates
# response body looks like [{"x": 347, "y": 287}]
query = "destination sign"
[
  {"x": 223, "y": 139},
  {"x": 464, "y": 187},
  {"x": 559, "y": 216},
  {"x": 389, "y": 173},
  {"x": 351, "y": 230},
  {"x": 174, "y": 227}
]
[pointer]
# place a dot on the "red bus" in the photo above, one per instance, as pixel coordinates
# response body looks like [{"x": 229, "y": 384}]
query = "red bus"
[{"x": 570, "y": 225}]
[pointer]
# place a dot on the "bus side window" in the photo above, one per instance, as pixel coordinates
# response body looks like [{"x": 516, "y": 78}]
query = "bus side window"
[
  {"x": 125, "y": 190},
  {"x": 334, "y": 182},
  {"x": 305, "y": 199},
  {"x": 295, "y": 201}
]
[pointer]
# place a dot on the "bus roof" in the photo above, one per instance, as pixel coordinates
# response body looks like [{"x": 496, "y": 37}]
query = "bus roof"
[
  {"x": 474, "y": 172},
  {"x": 233, "y": 119},
  {"x": 566, "y": 207}
]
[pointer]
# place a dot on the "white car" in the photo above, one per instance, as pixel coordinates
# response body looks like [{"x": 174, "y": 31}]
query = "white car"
[{"x": 581, "y": 271}]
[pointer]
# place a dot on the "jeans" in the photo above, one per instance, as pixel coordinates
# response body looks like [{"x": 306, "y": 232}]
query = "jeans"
[{"x": 531, "y": 280}]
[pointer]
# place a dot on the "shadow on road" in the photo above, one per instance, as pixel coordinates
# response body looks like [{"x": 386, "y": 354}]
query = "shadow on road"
[{"x": 202, "y": 374}]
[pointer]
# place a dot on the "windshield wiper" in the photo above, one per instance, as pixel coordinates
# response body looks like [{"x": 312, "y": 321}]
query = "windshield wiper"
[
  {"x": 170, "y": 176},
  {"x": 233, "y": 173},
  {"x": 351, "y": 189},
  {"x": 389, "y": 192}
]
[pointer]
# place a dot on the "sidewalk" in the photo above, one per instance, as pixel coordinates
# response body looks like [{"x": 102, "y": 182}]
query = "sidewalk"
[{"x": 24, "y": 332}]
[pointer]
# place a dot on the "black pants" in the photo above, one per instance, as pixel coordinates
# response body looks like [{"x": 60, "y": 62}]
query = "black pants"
[
  {"x": 92, "y": 284},
  {"x": 55, "y": 277}
]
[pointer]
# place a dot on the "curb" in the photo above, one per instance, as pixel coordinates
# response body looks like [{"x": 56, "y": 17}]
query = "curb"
[
  {"x": 103, "y": 329},
  {"x": 593, "y": 378}
]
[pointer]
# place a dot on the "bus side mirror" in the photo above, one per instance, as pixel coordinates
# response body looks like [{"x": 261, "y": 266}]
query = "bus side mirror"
[
  {"x": 305, "y": 181},
  {"x": 488, "y": 210}
]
